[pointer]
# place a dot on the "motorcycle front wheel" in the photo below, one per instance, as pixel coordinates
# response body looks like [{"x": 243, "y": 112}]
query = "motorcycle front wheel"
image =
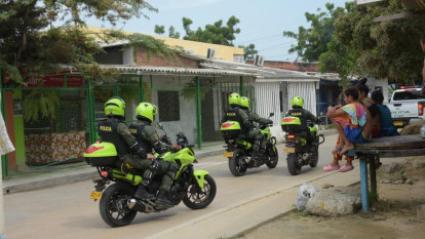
[
  {"x": 273, "y": 157},
  {"x": 113, "y": 205},
  {"x": 197, "y": 198}
]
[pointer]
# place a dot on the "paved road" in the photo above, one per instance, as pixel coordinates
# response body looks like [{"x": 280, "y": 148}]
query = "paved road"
[{"x": 67, "y": 212}]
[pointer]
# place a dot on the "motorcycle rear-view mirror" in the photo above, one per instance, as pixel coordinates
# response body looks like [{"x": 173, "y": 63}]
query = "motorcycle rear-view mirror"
[{"x": 271, "y": 114}]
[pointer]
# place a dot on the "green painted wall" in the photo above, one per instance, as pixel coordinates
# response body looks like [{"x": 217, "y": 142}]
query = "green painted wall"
[{"x": 19, "y": 129}]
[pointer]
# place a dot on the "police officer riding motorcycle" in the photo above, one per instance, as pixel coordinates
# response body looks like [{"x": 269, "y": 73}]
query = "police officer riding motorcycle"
[
  {"x": 114, "y": 129},
  {"x": 147, "y": 136},
  {"x": 247, "y": 136},
  {"x": 128, "y": 170},
  {"x": 302, "y": 139}
]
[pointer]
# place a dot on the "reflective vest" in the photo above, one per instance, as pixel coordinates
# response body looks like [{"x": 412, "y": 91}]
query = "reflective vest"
[
  {"x": 300, "y": 114},
  {"x": 137, "y": 131},
  {"x": 108, "y": 132}
]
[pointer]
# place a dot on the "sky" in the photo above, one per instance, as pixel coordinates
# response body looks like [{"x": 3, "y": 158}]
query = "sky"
[{"x": 261, "y": 21}]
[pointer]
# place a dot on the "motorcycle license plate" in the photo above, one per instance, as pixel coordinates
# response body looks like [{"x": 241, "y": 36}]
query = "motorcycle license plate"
[
  {"x": 289, "y": 150},
  {"x": 228, "y": 154},
  {"x": 398, "y": 123},
  {"x": 95, "y": 195}
]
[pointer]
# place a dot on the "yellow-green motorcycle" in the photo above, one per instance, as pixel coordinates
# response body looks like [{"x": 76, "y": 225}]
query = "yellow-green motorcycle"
[
  {"x": 239, "y": 149},
  {"x": 299, "y": 151},
  {"x": 116, "y": 187}
]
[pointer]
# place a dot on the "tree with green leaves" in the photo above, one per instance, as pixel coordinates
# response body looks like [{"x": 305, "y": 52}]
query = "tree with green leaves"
[
  {"x": 249, "y": 52},
  {"x": 34, "y": 43},
  {"x": 385, "y": 50},
  {"x": 159, "y": 29},
  {"x": 173, "y": 33},
  {"x": 30, "y": 44},
  {"x": 312, "y": 41},
  {"x": 217, "y": 33},
  {"x": 360, "y": 45}
]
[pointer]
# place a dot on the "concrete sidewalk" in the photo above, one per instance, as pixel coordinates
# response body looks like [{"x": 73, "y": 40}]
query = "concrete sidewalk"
[
  {"x": 44, "y": 177},
  {"x": 231, "y": 221}
]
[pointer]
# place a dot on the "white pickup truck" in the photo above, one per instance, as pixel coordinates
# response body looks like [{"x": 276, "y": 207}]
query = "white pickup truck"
[{"x": 406, "y": 105}]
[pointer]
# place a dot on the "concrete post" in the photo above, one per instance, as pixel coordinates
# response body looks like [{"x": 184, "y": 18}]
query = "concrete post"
[
  {"x": 241, "y": 86},
  {"x": 141, "y": 89},
  {"x": 198, "y": 114}
]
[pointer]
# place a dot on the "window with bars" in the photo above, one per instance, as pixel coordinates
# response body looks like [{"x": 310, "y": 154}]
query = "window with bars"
[{"x": 169, "y": 106}]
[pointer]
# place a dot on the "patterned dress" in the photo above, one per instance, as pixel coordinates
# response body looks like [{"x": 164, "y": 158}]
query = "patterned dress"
[{"x": 5, "y": 145}]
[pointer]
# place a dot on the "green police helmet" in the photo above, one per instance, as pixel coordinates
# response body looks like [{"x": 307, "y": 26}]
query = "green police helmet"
[
  {"x": 146, "y": 110},
  {"x": 234, "y": 99},
  {"x": 244, "y": 102},
  {"x": 297, "y": 101},
  {"x": 115, "y": 106}
]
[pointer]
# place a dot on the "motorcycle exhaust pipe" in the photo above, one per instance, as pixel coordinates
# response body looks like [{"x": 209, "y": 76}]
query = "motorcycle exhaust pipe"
[{"x": 131, "y": 203}]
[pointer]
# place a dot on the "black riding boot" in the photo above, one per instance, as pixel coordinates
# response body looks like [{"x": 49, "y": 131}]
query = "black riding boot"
[
  {"x": 162, "y": 199},
  {"x": 257, "y": 151},
  {"x": 143, "y": 194}
]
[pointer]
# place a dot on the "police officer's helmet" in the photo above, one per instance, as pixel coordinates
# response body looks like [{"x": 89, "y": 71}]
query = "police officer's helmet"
[
  {"x": 244, "y": 102},
  {"x": 115, "y": 106},
  {"x": 234, "y": 99},
  {"x": 297, "y": 102},
  {"x": 146, "y": 111}
]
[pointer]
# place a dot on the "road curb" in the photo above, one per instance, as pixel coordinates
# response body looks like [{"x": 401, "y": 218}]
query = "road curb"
[
  {"x": 57, "y": 179},
  {"x": 31, "y": 184},
  {"x": 83, "y": 173}
]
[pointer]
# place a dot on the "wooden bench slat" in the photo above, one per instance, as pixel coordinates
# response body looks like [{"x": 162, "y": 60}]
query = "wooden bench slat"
[
  {"x": 396, "y": 146},
  {"x": 402, "y": 141}
]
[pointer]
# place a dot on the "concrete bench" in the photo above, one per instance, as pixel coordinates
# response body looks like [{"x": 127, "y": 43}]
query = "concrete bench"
[{"x": 386, "y": 147}]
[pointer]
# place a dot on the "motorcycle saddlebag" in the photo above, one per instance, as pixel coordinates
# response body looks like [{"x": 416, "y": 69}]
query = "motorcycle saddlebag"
[
  {"x": 101, "y": 154},
  {"x": 230, "y": 130},
  {"x": 291, "y": 124}
]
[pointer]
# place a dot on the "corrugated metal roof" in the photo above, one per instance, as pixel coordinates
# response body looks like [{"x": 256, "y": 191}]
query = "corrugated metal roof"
[
  {"x": 262, "y": 73},
  {"x": 159, "y": 70}
]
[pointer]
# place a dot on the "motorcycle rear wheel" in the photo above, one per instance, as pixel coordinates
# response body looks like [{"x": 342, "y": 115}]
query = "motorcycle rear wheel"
[
  {"x": 235, "y": 166},
  {"x": 293, "y": 167},
  {"x": 113, "y": 205},
  {"x": 315, "y": 158},
  {"x": 199, "y": 199}
]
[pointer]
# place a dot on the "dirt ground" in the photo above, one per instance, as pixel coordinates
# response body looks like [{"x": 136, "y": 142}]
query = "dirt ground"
[{"x": 393, "y": 216}]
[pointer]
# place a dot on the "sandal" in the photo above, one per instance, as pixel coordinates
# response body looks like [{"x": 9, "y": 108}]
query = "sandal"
[
  {"x": 346, "y": 168},
  {"x": 330, "y": 167}
]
